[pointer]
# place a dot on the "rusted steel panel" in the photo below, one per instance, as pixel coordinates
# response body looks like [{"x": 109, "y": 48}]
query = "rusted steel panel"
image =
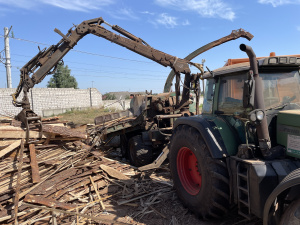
[
  {"x": 64, "y": 131},
  {"x": 112, "y": 116},
  {"x": 34, "y": 165},
  {"x": 47, "y": 202}
]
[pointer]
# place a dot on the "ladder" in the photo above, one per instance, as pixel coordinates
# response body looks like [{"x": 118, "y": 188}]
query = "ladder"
[{"x": 243, "y": 191}]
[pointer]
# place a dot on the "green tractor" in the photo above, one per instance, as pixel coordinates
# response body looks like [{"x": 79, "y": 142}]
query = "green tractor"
[{"x": 244, "y": 149}]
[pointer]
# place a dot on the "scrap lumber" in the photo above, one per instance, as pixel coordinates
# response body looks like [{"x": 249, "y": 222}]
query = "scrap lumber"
[
  {"x": 47, "y": 202},
  {"x": 16, "y": 202},
  {"x": 73, "y": 178},
  {"x": 5, "y": 143},
  {"x": 114, "y": 173},
  {"x": 142, "y": 196},
  {"x": 34, "y": 165},
  {"x": 97, "y": 219},
  {"x": 64, "y": 131},
  {"x": 18, "y": 133},
  {"x": 99, "y": 198},
  {"x": 10, "y": 148}
]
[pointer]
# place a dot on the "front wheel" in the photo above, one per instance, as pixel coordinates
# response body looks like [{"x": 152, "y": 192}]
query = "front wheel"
[
  {"x": 139, "y": 153},
  {"x": 201, "y": 182}
]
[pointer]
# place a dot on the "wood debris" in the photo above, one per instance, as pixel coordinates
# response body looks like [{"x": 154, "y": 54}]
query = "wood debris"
[{"x": 58, "y": 179}]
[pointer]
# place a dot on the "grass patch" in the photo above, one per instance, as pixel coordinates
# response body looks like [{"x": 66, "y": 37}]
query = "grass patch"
[{"x": 83, "y": 116}]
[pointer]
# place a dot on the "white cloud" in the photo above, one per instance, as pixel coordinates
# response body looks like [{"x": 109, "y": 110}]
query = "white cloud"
[
  {"x": 147, "y": 12},
  {"x": 205, "y": 8},
  {"x": 75, "y": 5},
  {"x": 298, "y": 28},
  {"x": 166, "y": 20},
  {"x": 123, "y": 14},
  {"x": 276, "y": 3}
]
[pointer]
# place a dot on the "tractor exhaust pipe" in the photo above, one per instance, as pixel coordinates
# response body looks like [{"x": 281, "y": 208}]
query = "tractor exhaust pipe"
[{"x": 262, "y": 127}]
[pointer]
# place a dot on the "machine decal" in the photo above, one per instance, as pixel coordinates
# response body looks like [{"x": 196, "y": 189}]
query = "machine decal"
[{"x": 293, "y": 144}]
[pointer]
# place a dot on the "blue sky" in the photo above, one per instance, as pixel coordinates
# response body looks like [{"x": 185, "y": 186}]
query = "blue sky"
[{"x": 173, "y": 26}]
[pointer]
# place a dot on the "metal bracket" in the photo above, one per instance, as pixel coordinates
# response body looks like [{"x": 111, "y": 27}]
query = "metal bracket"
[
  {"x": 27, "y": 116},
  {"x": 157, "y": 163}
]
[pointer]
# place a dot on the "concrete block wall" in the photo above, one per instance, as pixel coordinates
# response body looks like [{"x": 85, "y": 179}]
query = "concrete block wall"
[{"x": 44, "y": 99}]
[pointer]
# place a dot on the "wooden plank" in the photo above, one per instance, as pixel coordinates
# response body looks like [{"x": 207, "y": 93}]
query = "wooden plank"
[
  {"x": 16, "y": 200},
  {"x": 10, "y": 148},
  {"x": 5, "y": 143},
  {"x": 99, "y": 220},
  {"x": 114, "y": 173},
  {"x": 64, "y": 131},
  {"x": 47, "y": 202},
  {"x": 34, "y": 165},
  {"x": 100, "y": 199},
  {"x": 18, "y": 133}
]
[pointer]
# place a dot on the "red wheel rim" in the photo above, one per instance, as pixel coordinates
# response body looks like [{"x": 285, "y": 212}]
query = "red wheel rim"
[{"x": 188, "y": 172}]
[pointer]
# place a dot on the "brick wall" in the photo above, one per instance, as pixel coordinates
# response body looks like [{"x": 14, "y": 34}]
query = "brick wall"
[{"x": 43, "y": 99}]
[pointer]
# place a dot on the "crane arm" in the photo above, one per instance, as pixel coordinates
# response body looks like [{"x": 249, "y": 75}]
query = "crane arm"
[{"x": 45, "y": 61}]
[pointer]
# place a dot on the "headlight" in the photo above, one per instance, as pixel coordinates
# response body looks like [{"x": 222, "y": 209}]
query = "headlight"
[
  {"x": 256, "y": 115},
  {"x": 253, "y": 117},
  {"x": 260, "y": 115}
]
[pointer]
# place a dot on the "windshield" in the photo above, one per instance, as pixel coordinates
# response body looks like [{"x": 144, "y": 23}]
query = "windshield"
[{"x": 280, "y": 88}]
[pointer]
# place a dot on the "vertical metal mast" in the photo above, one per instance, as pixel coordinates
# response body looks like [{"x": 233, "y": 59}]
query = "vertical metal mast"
[{"x": 7, "y": 57}]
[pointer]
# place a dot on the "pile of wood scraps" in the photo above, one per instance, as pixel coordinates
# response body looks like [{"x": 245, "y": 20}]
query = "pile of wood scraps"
[{"x": 59, "y": 179}]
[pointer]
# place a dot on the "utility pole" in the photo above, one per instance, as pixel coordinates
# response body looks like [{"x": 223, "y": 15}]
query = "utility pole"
[{"x": 7, "y": 56}]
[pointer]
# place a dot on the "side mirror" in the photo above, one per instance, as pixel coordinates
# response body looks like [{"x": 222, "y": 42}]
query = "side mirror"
[{"x": 248, "y": 93}]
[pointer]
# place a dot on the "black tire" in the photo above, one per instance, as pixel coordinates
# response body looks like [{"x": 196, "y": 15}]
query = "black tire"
[
  {"x": 210, "y": 199},
  {"x": 139, "y": 154},
  {"x": 124, "y": 145},
  {"x": 291, "y": 215}
]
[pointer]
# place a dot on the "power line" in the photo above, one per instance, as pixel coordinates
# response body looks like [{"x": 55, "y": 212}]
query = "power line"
[
  {"x": 120, "y": 75},
  {"x": 89, "y": 64},
  {"x": 110, "y": 72},
  {"x": 79, "y": 51}
]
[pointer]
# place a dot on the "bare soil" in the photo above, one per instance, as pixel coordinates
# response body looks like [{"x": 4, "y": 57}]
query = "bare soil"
[{"x": 167, "y": 208}]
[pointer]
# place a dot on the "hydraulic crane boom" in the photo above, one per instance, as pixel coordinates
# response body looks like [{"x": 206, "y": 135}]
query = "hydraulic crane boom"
[{"x": 45, "y": 61}]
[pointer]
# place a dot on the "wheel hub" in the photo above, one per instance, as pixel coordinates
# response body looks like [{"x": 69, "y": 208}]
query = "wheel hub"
[{"x": 188, "y": 172}]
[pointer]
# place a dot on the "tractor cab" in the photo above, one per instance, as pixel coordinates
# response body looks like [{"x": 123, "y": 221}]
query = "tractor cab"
[
  {"x": 244, "y": 149},
  {"x": 230, "y": 93}
]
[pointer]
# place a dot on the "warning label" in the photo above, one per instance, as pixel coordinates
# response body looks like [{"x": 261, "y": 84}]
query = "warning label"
[{"x": 293, "y": 144}]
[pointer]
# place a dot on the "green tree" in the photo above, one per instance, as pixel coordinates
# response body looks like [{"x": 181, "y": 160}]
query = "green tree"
[
  {"x": 109, "y": 96},
  {"x": 62, "y": 78}
]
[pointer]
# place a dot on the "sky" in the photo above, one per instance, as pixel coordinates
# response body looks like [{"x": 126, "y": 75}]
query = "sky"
[{"x": 176, "y": 27}]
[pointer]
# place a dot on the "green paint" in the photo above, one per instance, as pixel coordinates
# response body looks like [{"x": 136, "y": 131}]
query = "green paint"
[
  {"x": 288, "y": 131},
  {"x": 226, "y": 132}
]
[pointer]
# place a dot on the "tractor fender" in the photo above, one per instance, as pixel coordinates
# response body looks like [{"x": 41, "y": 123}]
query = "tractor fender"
[
  {"x": 208, "y": 131},
  {"x": 291, "y": 180}
]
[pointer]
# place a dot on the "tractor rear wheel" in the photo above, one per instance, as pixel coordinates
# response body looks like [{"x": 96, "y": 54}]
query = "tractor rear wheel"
[
  {"x": 139, "y": 153},
  {"x": 291, "y": 216},
  {"x": 201, "y": 182}
]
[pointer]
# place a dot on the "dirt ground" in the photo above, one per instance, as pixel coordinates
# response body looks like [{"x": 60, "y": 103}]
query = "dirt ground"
[{"x": 166, "y": 209}]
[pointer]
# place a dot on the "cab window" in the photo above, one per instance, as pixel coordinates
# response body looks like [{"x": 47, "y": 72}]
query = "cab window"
[
  {"x": 230, "y": 100},
  {"x": 208, "y": 96}
]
